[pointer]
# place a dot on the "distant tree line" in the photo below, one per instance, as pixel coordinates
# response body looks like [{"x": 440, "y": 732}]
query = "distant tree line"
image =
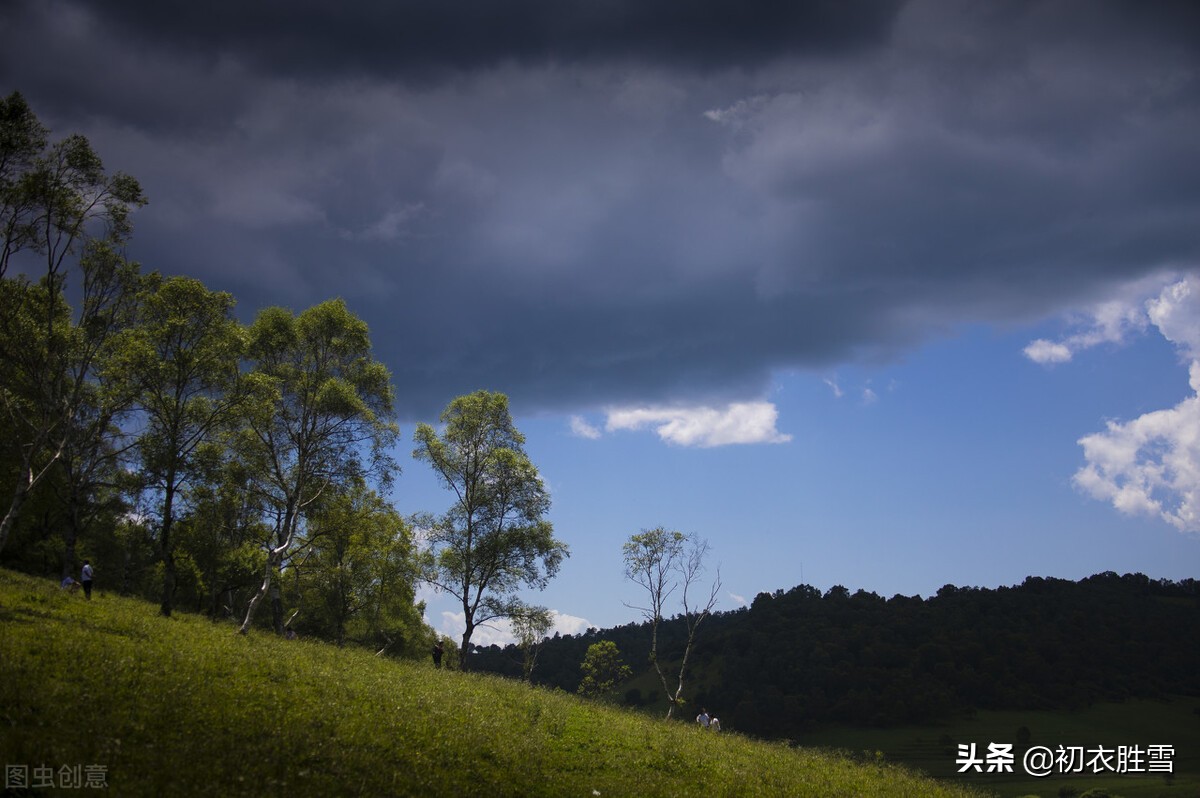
[{"x": 798, "y": 659}]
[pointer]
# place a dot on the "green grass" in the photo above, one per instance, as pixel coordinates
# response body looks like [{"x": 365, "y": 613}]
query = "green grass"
[
  {"x": 181, "y": 706},
  {"x": 933, "y": 749}
]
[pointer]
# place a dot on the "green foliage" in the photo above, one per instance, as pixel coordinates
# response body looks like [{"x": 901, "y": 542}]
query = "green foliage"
[
  {"x": 493, "y": 540},
  {"x": 321, "y": 419},
  {"x": 602, "y": 669},
  {"x": 181, "y": 361},
  {"x": 244, "y": 434},
  {"x": 322, "y": 398},
  {"x": 355, "y": 578},
  {"x": 50, "y": 194},
  {"x": 173, "y": 706},
  {"x": 799, "y": 660},
  {"x": 56, "y": 202},
  {"x": 530, "y": 625}
]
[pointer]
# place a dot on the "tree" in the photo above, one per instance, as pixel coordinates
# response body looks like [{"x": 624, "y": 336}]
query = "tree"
[
  {"x": 184, "y": 358},
  {"x": 322, "y": 419},
  {"x": 602, "y": 669},
  {"x": 56, "y": 201},
  {"x": 494, "y": 539},
  {"x": 357, "y": 575},
  {"x": 530, "y": 625},
  {"x": 22, "y": 139},
  {"x": 663, "y": 561},
  {"x": 222, "y": 532},
  {"x": 59, "y": 405}
]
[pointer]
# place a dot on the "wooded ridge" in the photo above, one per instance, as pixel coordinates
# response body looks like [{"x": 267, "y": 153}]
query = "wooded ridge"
[{"x": 797, "y": 659}]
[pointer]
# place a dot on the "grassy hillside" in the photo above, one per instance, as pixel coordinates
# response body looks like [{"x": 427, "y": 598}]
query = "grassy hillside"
[{"x": 180, "y": 706}]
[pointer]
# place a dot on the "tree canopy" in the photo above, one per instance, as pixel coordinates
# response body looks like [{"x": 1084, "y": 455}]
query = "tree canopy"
[
  {"x": 182, "y": 360},
  {"x": 323, "y": 417},
  {"x": 796, "y": 660},
  {"x": 494, "y": 540},
  {"x": 58, "y": 206}
]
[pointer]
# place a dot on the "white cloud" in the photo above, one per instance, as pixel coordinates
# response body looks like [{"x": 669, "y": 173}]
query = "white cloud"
[
  {"x": 739, "y": 600},
  {"x": 1176, "y": 313},
  {"x": 1048, "y": 352},
  {"x": 869, "y": 397},
  {"x": 833, "y": 386},
  {"x": 739, "y": 422},
  {"x": 1151, "y": 465},
  {"x": 581, "y": 428},
  {"x": 499, "y": 632},
  {"x": 568, "y": 624},
  {"x": 1109, "y": 322}
]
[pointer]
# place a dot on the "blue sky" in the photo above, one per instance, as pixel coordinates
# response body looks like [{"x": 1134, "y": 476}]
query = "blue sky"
[
  {"x": 952, "y": 465},
  {"x": 887, "y": 295}
]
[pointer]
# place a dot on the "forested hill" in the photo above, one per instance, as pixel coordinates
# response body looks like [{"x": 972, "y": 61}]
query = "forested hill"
[{"x": 797, "y": 659}]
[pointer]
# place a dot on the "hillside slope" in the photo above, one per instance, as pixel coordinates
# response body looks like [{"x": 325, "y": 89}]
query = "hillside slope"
[{"x": 108, "y": 690}]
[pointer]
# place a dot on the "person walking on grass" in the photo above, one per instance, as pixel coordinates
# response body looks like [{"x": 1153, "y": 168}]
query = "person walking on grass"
[
  {"x": 85, "y": 577},
  {"x": 703, "y": 718}
]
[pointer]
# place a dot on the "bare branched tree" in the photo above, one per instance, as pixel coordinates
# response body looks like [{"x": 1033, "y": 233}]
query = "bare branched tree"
[{"x": 662, "y": 562}]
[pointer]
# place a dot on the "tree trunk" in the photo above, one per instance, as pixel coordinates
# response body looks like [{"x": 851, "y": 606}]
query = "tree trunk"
[
  {"x": 274, "y": 560},
  {"x": 257, "y": 597},
  {"x": 14, "y": 510},
  {"x": 662, "y": 677},
  {"x": 126, "y": 572},
  {"x": 463, "y": 664},
  {"x": 70, "y": 536},
  {"x": 276, "y": 609},
  {"x": 168, "y": 556},
  {"x": 23, "y": 490},
  {"x": 168, "y": 593}
]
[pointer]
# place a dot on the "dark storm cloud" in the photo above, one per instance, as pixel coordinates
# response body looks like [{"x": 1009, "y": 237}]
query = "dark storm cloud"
[
  {"x": 586, "y": 209},
  {"x": 389, "y": 37}
]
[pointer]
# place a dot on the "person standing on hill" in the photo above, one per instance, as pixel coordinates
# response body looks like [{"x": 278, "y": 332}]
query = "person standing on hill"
[
  {"x": 437, "y": 654},
  {"x": 85, "y": 577},
  {"x": 714, "y": 725},
  {"x": 703, "y": 718}
]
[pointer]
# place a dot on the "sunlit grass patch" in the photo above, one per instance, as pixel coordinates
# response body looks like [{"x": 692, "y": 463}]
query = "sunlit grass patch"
[{"x": 182, "y": 706}]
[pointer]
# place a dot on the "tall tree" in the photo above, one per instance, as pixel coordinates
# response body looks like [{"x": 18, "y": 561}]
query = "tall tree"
[
  {"x": 662, "y": 562},
  {"x": 322, "y": 419},
  {"x": 94, "y": 454},
  {"x": 494, "y": 540},
  {"x": 184, "y": 357},
  {"x": 56, "y": 202}
]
